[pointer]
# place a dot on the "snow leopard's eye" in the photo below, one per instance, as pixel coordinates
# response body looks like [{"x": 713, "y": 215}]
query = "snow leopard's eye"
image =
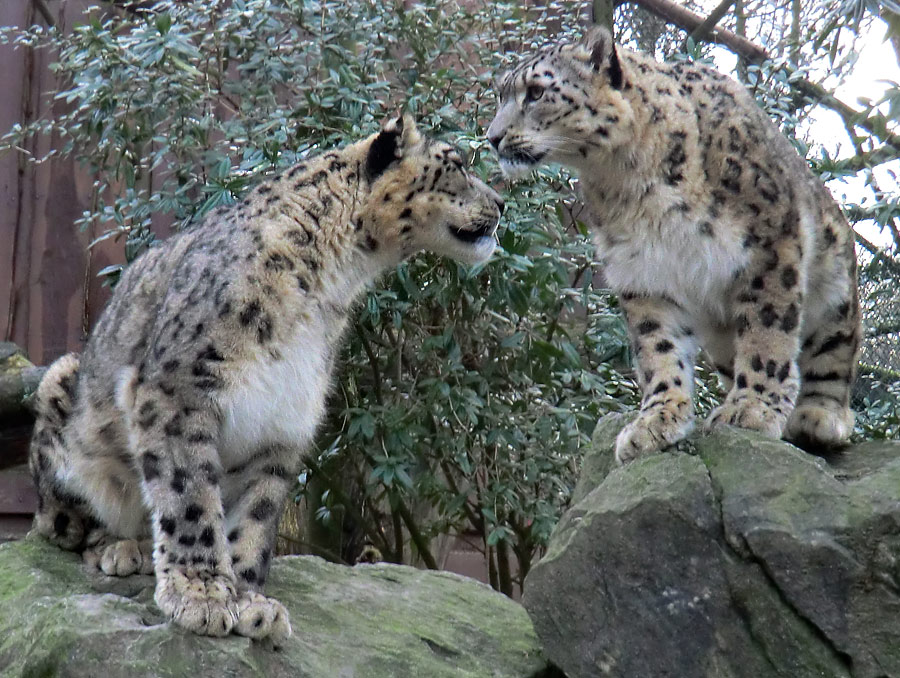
[{"x": 533, "y": 93}]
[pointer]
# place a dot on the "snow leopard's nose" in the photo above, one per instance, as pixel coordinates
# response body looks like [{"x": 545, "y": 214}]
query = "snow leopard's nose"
[
  {"x": 500, "y": 204},
  {"x": 495, "y": 140}
]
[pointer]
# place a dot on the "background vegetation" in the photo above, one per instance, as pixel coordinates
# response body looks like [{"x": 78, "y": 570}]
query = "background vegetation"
[{"x": 465, "y": 396}]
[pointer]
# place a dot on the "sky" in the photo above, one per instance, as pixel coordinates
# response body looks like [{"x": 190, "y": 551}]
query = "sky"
[{"x": 877, "y": 63}]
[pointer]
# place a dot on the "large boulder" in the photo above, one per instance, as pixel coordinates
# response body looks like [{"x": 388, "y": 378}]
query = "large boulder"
[
  {"x": 369, "y": 621},
  {"x": 732, "y": 556}
]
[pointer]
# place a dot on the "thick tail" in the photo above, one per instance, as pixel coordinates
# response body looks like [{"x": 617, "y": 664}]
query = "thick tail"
[
  {"x": 56, "y": 393},
  {"x": 60, "y": 512}
]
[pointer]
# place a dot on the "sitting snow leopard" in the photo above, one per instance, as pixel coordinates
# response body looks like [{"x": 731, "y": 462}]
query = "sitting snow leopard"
[
  {"x": 710, "y": 228},
  {"x": 203, "y": 382}
]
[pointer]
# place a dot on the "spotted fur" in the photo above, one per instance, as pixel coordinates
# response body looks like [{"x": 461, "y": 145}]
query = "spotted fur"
[
  {"x": 710, "y": 227},
  {"x": 181, "y": 428}
]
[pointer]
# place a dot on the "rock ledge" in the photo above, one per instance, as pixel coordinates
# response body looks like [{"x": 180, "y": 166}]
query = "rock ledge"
[{"x": 366, "y": 622}]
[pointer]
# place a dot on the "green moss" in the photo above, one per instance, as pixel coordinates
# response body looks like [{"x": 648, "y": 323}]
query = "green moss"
[{"x": 382, "y": 620}]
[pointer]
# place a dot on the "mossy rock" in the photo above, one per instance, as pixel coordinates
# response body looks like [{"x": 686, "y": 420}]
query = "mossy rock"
[
  {"x": 19, "y": 379},
  {"x": 364, "y": 622}
]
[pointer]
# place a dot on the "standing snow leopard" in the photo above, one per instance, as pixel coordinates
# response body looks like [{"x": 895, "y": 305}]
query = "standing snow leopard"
[
  {"x": 206, "y": 376},
  {"x": 711, "y": 229}
]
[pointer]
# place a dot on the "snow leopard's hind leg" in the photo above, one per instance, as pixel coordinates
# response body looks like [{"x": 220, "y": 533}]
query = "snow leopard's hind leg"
[{"x": 822, "y": 418}]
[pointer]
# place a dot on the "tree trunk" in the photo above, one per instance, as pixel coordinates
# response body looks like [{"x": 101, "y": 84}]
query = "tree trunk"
[
  {"x": 795, "y": 33},
  {"x": 503, "y": 571},
  {"x": 602, "y": 12}
]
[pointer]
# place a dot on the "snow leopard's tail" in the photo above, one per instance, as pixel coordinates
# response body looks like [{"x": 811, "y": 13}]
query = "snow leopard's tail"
[
  {"x": 55, "y": 395},
  {"x": 58, "y": 516}
]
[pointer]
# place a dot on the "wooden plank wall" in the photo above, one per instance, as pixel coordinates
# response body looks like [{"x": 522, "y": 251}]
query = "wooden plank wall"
[{"x": 49, "y": 290}]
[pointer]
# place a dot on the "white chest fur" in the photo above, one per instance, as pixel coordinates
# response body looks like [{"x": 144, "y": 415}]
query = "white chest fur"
[
  {"x": 277, "y": 400},
  {"x": 677, "y": 261}
]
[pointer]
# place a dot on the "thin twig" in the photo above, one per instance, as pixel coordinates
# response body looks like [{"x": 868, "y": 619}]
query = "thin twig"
[
  {"x": 878, "y": 253},
  {"x": 417, "y": 538},
  {"x": 373, "y": 362}
]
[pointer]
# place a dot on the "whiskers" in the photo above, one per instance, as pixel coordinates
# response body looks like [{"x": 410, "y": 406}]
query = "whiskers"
[
  {"x": 558, "y": 144},
  {"x": 562, "y": 142}
]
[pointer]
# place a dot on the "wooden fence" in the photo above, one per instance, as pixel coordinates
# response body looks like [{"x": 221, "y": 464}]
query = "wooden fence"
[
  {"x": 50, "y": 294},
  {"x": 49, "y": 290}
]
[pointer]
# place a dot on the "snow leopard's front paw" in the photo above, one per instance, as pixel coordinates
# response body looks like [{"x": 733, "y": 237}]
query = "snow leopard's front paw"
[
  {"x": 750, "y": 413},
  {"x": 201, "y": 602},
  {"x": 655, "y": 429},
  {"x": 261, "y": 617}
]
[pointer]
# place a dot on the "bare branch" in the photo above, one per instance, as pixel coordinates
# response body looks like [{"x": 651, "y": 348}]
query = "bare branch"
[
  {"x": 689, "y": 21},
  {"x": 795, "y": 31},
  {"x": 874, "y": 123},
  {"x": 415, "y": 534},
  {"x": 373, "y": 362},
  {"x": 878, "y": 253},
  {"x": 868, "y": 159},
  {"x": 710, "y": 22}
]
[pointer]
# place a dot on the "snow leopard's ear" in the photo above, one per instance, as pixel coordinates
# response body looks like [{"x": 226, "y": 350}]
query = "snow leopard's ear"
[
  {"x": 397, "y": 137},
  {"x": 599, "y": 51}
]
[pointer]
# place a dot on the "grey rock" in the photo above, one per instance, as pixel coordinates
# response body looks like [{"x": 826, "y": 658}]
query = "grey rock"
[
  {"x": 31, "y": 379},
  {"x": 733, "y": 556},
  {"x": 18, "y": 380},
  {"x": 9, "y": 350},
  {"x": 370, "y": 621}
]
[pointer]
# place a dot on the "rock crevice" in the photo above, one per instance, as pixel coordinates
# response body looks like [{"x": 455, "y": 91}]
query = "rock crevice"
[{"x": 742, "y": 550}]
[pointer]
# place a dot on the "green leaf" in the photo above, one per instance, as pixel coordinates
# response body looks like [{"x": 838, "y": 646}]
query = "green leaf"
[{"x": 113, "y": 269}]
